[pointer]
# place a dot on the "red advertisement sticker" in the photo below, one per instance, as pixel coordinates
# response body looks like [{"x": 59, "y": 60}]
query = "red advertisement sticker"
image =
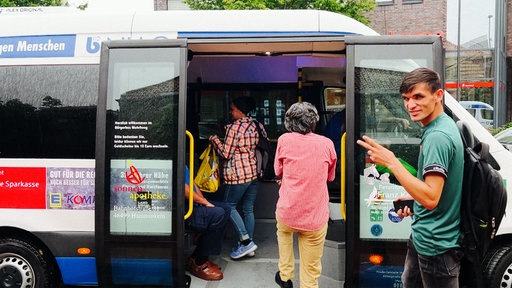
[{"x": 22, "y": 187}]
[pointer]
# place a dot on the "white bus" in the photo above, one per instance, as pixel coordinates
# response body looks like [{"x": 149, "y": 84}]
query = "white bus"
[{"x": 94, "y": 110}]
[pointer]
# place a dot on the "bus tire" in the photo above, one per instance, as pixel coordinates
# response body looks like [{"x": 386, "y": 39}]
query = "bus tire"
[
  {"x": 497, "y": 266},
  {"x": 23, "y": 265}
]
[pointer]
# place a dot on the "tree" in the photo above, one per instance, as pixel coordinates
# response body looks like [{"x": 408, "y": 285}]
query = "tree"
[
  {"x": 49, "y": 102},
  {"x": 350, "y": 8},
  {"x": 26, "y": 3}
]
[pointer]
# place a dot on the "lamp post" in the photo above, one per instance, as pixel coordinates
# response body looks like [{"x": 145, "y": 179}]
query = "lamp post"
[{"x": 489, "y": 33}]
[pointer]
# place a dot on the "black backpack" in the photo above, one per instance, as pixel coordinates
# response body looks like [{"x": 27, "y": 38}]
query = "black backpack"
[
  {"x": 265, "y": 153},
  {"x": 484, "y": 198}
]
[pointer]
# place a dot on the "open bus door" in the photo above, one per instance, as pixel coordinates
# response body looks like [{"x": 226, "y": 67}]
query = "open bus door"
[
  {"x": 139, "y": 167},
  {"x": 376, "y": 236}
]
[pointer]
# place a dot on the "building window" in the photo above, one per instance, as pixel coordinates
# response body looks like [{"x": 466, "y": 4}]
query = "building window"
[
  {"x": 411, "y": 1},
  {"x": 384, "y": 2}
]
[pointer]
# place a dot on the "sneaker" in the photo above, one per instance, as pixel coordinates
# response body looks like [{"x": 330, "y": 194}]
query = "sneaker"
[
  {"x": 281, "y": 283},
  {"x": 251, "y": 254},
  {"x": 242, "y": 250}
]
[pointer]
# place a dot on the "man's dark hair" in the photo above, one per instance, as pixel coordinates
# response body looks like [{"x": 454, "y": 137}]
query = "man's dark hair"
[
  {"x": 421, "y": 75},
  {"x": 245, "y": 104}
]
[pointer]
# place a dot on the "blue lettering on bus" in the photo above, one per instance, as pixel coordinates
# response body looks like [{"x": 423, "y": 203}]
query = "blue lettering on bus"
[
  {"x": 78, "y": 199},
  {"x": 92, "y": 46},
  {"x": 37, "y": 46}
]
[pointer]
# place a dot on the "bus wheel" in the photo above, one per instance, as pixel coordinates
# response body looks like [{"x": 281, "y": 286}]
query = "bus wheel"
[
  {"x": 22, "y": 265},
  {"x": 498, "y": 266}
]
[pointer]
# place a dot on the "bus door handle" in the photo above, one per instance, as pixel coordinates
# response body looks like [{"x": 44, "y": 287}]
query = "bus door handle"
[
  {"x": 190, "y": 176},
  {"x": 343, "y": 177}
]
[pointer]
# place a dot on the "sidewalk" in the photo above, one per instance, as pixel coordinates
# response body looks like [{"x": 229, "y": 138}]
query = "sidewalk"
[{"x": 258, "y": 271}]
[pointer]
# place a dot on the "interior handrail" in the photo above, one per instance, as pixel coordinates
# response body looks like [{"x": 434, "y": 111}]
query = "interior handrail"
[
  {"x": 343, "y": 177},
  {"x": 190, "y": 176}
]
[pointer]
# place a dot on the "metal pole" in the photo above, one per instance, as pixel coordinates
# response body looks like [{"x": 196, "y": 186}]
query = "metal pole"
[
  {"x": 458, "y": 96},
  {"x": 489, "y": 33}
]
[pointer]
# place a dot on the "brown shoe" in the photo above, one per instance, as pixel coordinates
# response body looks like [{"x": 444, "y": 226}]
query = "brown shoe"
[
  {"x": 210, "y": 263},
  {"x": 191, "y": 262},
  {"x": 207, "y": 271}
]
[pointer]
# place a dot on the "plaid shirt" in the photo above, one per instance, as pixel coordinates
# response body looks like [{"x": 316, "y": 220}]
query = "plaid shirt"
[{"x": 239, "y": 165}]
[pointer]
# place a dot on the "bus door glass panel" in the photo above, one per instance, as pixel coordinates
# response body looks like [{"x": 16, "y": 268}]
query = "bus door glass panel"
[
  {"x": 141, "y": 165},
  {"x": 378, "y": 73},
  {"x": 143, "y": 110}
]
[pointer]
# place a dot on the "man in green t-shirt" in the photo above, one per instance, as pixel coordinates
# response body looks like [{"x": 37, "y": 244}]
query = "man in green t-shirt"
[{"x": 433, "y": 254}]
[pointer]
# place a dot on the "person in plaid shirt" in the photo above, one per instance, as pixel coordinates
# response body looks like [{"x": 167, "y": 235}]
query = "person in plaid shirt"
[{"x": 239, "y": 171}]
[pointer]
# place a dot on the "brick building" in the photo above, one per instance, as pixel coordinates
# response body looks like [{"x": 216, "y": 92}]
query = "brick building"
[{"x": 403, "y": 17}]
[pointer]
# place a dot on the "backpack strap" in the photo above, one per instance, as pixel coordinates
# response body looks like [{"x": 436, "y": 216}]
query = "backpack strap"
[
  {"x": 465, "y": 133},
  {"x": 258, "y": 127},
  {"x": 483, "y": 149}
]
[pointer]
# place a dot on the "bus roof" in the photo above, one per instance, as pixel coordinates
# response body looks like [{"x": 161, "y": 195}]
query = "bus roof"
[
  {"x": 183, "y": 22},
  {"x": 66, "y": 37}
]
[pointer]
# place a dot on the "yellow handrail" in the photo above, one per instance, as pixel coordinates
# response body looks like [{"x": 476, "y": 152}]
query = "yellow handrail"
[
  {"x": 190, "y": 176},
  {"x": 343, "y": 176}
]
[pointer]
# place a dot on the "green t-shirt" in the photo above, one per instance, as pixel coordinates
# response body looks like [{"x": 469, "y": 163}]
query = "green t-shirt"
[{"x": 436, "y": 231}]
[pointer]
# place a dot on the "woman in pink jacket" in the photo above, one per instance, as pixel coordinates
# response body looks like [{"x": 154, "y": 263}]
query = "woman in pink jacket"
[{"x": 305, "y": 161}]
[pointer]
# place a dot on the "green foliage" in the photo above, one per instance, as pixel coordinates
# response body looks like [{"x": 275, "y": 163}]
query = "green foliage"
[
  {"x": 28, "y": 3},
  {"x": 495, "y": 131},
  {"x": 352, "y": 8}
]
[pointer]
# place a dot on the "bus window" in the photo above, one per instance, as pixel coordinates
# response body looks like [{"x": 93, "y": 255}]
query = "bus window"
[
  {"x": 272, "y": 100},
  {"x": 48, "y": 111}
]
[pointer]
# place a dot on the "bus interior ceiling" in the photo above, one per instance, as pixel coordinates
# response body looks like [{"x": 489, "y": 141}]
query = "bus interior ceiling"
[{"x": 268, "y": 71}]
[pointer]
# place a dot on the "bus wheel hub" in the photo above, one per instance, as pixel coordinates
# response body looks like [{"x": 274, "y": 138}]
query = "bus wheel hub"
[{"x": 15, "y": 273}]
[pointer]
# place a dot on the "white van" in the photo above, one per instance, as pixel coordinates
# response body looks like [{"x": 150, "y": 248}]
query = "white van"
[{"x": 483, "y": 112}]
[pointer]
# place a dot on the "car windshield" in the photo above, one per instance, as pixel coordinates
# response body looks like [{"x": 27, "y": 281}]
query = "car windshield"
[{"x": 505, "y": 136}]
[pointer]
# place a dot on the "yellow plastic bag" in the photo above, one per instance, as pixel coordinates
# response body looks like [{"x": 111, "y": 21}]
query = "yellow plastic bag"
[{"x": 207, "y": 178}]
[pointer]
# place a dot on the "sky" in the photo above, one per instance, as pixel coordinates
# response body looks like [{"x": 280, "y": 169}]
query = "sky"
[{"x": 474, "y": 19}]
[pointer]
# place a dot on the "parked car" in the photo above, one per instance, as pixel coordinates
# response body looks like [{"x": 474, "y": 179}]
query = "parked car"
[{"x": 505, "y": 138}]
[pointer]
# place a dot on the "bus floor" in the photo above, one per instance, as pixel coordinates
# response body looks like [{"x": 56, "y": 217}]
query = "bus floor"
[{"x": 258, "y": 271}]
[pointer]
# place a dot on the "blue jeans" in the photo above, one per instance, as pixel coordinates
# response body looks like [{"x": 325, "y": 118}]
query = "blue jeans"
[
  {"x": 211, "y": 223},
  {"x": 440, "y": 271},
  {"x": 246, "y": 193}
]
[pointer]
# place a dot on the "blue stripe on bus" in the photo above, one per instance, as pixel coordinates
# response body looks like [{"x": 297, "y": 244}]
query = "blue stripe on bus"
[
  {"x": 78, "y": 270},
  {"x": 82, "y": 271},
  {"x": 259, "y": 34},
  {"x": 142, "y": 271},
  {"x": 37, "y": 46}
]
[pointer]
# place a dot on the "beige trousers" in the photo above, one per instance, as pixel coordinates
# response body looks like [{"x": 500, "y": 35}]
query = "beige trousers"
[{"x": 311, "y": 248}]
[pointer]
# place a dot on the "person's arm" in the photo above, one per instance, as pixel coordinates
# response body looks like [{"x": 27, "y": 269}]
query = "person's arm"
[
  {"x": 427, "y": 193},
  {"x": 198, "y": 196},
  {"x": 226, "y": 149},
  {"x": 332, "y": 165}
]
